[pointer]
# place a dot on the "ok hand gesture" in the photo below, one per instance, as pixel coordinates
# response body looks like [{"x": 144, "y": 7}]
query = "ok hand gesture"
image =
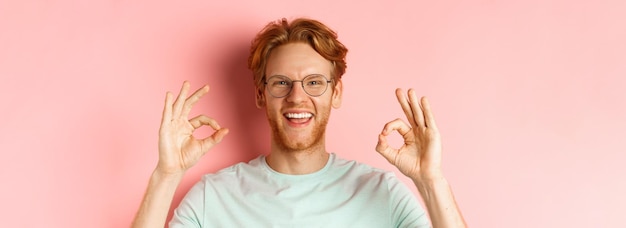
[
  {"x": 420, "y": 156},
  {"x": 179, "y": 150}
]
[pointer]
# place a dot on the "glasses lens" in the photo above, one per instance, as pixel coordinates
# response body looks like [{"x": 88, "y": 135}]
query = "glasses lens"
[
  {"x": 315, "y": 85},
  {"x": 279, "y": 86}
]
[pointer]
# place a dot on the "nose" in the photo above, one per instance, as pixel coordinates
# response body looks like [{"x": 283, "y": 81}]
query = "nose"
[{"x": 297, "y": 94}]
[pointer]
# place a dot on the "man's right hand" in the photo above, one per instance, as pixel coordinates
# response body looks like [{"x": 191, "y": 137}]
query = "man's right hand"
[{"x": 179, "y": 150}]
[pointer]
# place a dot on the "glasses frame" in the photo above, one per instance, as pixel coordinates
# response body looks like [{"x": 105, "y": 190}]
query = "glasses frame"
[{"x": 301, "y": 84}]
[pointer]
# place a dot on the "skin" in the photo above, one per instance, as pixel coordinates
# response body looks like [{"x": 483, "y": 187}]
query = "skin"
[
  {"x": 419, "y": 158},
  {"x": 298, "y": 146},
  {"x": 179, "y": 150}
]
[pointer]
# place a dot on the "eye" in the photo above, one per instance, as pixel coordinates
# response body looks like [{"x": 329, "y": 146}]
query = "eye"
[
  {"x": 281, "y": 83},
  {"x": 314, "y": 82}
]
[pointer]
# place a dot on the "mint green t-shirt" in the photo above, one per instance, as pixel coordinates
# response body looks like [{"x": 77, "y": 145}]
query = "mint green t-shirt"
[{"x": 342, "y": 194}]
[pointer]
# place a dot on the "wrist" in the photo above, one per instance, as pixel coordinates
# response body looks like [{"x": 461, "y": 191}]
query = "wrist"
[
  {"x": 430, "y": 182},
  {"x": 428, "y": 177},
  {"x": 439, "y": 201},
  {"x": 169, "y": 170},
  {"x": 164, "y": 176}
]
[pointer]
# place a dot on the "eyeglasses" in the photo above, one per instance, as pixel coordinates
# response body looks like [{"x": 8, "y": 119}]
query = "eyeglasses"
[{"x": 280, "y": 86}]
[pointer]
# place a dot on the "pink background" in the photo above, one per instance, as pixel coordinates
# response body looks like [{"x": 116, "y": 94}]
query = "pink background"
[{"x": 529, "y": 96}]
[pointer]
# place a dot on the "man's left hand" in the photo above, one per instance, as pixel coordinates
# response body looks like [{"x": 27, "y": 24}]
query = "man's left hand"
[{"x": 420, "y": 156}]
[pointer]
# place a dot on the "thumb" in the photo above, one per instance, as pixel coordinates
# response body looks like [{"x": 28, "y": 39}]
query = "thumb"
[
  {"x": 382, "y": 144},
  {"x": 215, "y": 138},
  {"x": 384, "y": 149}
]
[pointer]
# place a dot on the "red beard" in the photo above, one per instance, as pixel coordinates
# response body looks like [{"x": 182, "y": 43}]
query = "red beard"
[{"x": 285, "y": 143}]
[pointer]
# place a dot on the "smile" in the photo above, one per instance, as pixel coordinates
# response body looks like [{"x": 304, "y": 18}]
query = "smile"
[
  {"x": 298, "y": 119},
  {"x": 304, "y": 115}
]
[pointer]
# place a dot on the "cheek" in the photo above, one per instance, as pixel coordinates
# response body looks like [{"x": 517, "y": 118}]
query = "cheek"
[
  {"x": 273, "y": 106},
  {"x": 324, "y": 104}
]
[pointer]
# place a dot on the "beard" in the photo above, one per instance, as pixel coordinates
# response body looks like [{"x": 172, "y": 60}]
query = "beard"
[{"x": 284, "y": 142}]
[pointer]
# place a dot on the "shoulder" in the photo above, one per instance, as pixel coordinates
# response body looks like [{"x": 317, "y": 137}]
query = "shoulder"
[
  {"x": 359, "y": 167},
  {"x": 233, "y": 172},
  {"x": 365, "y": 173}
]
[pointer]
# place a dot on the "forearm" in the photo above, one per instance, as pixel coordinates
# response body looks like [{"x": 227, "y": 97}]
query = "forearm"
[
  {"x": 157, "y": 200},
  {"x": 440, "y": 203}
]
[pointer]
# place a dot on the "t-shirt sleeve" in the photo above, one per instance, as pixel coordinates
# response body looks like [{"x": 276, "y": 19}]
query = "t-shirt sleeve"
[
  {"x": 191, "y": 209},
  {"x": 406, "y": 211}
]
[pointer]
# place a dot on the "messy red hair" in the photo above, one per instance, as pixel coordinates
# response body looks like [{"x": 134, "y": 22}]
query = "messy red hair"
[{"x": 321, "y": 38}]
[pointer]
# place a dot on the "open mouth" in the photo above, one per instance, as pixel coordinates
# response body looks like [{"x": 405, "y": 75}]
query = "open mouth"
[{"x": 298, "y": 118}]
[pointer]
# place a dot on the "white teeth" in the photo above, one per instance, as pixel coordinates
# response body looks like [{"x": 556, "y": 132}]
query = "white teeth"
[{"x": 298, "y": 115}]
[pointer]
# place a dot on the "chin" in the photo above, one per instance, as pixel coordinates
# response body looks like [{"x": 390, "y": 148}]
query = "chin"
[
  {"x": 299, "y": 141},
  {"x": 288, "y": 142},
  {"x": 291, "y": 144}
]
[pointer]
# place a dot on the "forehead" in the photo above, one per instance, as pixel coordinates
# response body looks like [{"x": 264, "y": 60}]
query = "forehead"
[{"x": 296, "y": 60}]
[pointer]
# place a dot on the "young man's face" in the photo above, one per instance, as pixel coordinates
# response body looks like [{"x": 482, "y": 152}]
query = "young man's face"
[{"x": 298, "y": 120}]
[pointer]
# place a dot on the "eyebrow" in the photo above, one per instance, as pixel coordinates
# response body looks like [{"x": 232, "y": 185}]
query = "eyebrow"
[{"x": 290, "y": 78}]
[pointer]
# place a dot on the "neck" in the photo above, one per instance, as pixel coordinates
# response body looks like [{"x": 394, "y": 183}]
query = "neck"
[{"x": 297, "y": 162}]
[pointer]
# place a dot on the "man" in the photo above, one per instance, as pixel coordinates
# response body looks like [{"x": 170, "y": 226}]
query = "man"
[{"x": 297, "y": 68}]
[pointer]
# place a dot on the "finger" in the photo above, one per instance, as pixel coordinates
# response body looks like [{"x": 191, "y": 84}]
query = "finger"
[
  {"x": 215, "y": 138},
  {"x": 191, "y": 101},
  {"x": 382, "y": 144},
  {"x": 383, "y": 148},
  {"x": 428, "y": 114},
  {"x": 201, "y": 120},
  {"x": 180, "y": 100},
  {"x": 401, "y": 127},
  {"x": 406, "y": 107},
  {"x": 167, "y": 110},
  {"x": 416, "y": 108}
]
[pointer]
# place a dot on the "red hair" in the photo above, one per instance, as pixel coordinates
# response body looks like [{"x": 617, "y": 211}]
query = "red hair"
[{"x": 321, "y": 38}]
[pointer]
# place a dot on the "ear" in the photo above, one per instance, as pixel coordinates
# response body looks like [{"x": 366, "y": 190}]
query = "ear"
[
  {"x": 337, "y": 92},
  {"x": 259, "y": 98}
]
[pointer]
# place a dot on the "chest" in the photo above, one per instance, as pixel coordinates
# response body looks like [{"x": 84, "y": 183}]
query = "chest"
[{"x": 302, "y": 204}]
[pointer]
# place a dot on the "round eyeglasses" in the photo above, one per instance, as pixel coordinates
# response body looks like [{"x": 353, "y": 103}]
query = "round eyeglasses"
[{"x": 280, "y": 86}]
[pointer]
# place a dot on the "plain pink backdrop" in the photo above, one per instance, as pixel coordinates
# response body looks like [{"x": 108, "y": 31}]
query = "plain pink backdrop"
[{"x": 529, "y": 97}]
